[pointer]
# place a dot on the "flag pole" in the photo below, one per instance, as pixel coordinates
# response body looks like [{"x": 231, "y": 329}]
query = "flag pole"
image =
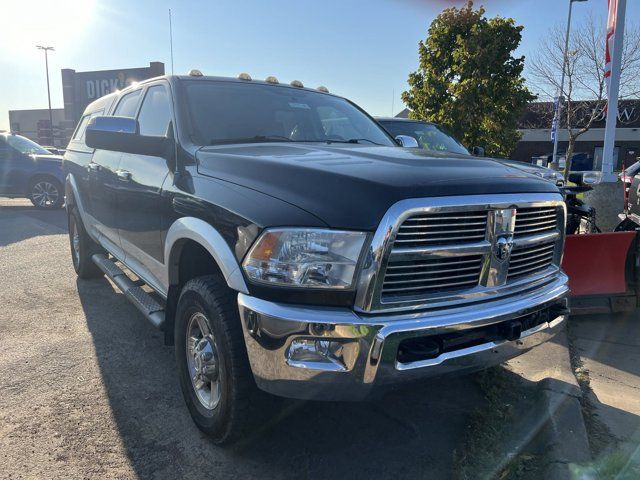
[{"x": 614, "y": 90}]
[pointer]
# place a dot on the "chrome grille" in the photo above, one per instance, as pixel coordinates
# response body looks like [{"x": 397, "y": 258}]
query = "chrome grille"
[
  {"x": 431, "y": 276},
  {"x": 447, "y": 251},
  {"x": 535, "y": 220},
  {"x": 442, "y": 228},
  {"x": 530, "y": 260}
]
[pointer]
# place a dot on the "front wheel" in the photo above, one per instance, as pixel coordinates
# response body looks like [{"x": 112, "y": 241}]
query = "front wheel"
[
  {"x": 82, "y": 248},
  {"x": 46, "y": 193},
  {"x": 215, "y": 376}
]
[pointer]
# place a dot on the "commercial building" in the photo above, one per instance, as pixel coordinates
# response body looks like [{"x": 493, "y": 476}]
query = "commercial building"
[
  {"x": 78, "y": 90},
  {"x": 34, "y": 124},
  {"x": 535, "y": 126}
]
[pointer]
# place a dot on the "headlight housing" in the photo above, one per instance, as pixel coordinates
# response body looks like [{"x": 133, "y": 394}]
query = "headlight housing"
[{"x": 305, "y": 257}]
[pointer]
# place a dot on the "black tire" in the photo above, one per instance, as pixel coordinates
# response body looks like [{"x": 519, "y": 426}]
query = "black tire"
[
  {"x": 86, "y": 248},
  {"x": 626, "y": 225},
  {"x": 230, "y": 418},
  {"x": 46, "y": 193}
]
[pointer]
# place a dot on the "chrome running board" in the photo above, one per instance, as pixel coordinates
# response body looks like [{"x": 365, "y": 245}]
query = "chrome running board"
[{"x": 143, "y": 301}]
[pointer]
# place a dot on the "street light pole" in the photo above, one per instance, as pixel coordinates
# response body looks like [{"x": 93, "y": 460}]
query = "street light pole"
[
  {"x": 554, "y": 159},
  {"x": 46, "y": 63}
]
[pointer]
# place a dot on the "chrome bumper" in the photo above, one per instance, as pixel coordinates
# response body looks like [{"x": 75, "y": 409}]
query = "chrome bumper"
[{"x": 322, "y": 353}]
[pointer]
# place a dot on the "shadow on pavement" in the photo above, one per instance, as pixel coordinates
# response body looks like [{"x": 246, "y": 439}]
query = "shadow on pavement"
[
  {"x": 609, "y": 349},
  {"x": 612, "y": 340},
  {"x": 22, "y": 214},
  {"x": 409, "y": 433}
]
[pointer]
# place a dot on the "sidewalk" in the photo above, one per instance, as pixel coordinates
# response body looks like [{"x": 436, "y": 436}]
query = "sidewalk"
[
  {"x": 561, "y": 433},
  {"x": 609, "y": 349}
]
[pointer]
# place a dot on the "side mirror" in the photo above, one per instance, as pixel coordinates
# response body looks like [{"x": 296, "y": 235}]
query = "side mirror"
[
  {"x": 477, "y": 152},
  {"x": 407, "y": 142},
  {"x": 585, "y": 178},
  {"x": 121, "y": 134}
]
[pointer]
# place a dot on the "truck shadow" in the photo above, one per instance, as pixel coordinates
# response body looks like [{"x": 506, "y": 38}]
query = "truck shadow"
[
  {"x": 405, "y": 433},
  {"x": 408, "y": 433}
]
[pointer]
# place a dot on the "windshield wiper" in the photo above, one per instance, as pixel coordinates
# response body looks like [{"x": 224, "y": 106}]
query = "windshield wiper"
[
  {"x": 256, "y": 139},
  {"x": 353, "y": 140}
]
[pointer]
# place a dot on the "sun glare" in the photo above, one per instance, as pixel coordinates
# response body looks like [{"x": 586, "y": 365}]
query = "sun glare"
[{"x": 25, "y": 23}]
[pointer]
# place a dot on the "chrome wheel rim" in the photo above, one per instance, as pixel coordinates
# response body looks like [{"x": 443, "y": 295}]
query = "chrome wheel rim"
[
  {"x": 75, "y": 243},
  {"x": 203, "y": 361},
  {"x": 45, "y": 194}
]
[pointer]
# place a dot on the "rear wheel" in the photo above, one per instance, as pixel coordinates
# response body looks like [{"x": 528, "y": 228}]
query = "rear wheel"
[
  {"x": 46, "y": 193},
  {"x": 215, "y": 376},
  {"x": 82, "y": 248}
]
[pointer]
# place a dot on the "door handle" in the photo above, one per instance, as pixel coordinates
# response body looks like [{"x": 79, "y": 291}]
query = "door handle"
[
  {"x": 123, "y": 175},
  {"x": 93, "y": 167}
]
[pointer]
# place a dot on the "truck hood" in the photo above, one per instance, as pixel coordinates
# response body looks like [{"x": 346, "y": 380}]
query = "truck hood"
[{"x": 352, "y": 186}]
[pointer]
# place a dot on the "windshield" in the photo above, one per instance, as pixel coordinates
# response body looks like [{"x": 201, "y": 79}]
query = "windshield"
[
  {"x": 429, "y": 136},
  {"x": 233, "y": 112},
  {"x": 24, "y": 145}
]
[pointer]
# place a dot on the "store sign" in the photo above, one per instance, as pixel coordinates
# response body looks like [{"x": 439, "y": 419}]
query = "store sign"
[
  {"x": 92, "y": 85},
  {"x": 627, "y": 114},
  {"x": 540, "y": 115},
  {"x": 79, "y": 89},
  {"x": 99, "y": 88}
]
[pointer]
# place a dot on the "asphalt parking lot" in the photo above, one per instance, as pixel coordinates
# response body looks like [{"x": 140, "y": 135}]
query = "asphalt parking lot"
[{"x": 88, "y": 390}]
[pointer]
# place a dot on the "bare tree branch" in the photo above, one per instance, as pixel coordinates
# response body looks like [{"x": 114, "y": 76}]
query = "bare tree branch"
[{"x": 584, "y": 91}]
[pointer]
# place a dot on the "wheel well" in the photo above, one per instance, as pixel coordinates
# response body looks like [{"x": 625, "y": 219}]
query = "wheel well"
[{"x": 188, "y": 259}]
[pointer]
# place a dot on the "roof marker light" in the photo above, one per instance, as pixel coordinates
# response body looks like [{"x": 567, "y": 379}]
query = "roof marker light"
[
  {"x": 194, "y": 72},
  {"x": 323, "y": 89},
  {"x": 271, "y": 79},
  {"x": 297, "y": 83},
  {"x": 245, "y": 76}
]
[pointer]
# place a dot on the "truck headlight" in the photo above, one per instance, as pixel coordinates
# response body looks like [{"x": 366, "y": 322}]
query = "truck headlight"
[{"x": 305, "y": 257}]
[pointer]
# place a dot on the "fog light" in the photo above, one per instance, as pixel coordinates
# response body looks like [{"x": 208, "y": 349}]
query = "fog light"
[
  {"x": 252, "y": 322},
  {"x": 316, "y": 354}
]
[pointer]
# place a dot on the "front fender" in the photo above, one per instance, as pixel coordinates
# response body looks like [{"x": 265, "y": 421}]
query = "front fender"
[{"x": 191, "y": 228}]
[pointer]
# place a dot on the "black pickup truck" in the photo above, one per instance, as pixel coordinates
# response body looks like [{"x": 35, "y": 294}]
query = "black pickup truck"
[{"x": 283, "y": 241}]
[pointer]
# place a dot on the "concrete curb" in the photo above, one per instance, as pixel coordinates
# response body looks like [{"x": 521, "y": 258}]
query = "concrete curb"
[
  {"x": 563, "y": 436},
  {"x": 565, "y": 433}
]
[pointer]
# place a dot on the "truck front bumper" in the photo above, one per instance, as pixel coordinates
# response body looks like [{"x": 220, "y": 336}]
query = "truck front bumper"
[{"x": 322, "y": 353}]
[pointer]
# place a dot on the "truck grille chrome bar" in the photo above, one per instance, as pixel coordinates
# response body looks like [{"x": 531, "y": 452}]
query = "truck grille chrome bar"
[
  {"x": 441, "y": 252},
  {"x": 531, "y": 259},
  {"x": 536, "y": 220},
  {"x": 431, "y": 276},
  {"x": 442, "y": 229}
]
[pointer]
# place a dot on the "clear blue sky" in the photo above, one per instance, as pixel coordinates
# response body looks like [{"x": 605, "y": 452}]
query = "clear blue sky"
[{"x": 361, "y": 49}]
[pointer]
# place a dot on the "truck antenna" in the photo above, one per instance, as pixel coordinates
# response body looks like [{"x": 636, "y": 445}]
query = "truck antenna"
[{"x": 171, "y": 41}]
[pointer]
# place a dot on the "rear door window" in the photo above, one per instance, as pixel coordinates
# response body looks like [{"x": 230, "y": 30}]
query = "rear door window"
[
  {"x": 128, "y": 105},
  {"x": 81, "y": 129},
  {"x": 82, "y": 125}
]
